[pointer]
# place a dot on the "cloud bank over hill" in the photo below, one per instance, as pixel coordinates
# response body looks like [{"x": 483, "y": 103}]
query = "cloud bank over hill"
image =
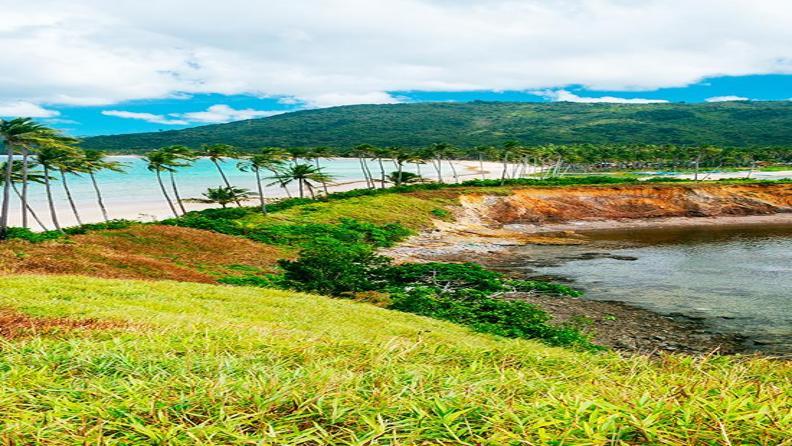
[{"x": 333, "y": 52}]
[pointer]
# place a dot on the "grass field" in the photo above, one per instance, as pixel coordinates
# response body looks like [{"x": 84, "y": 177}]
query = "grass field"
[{"x": 183, "y": 363}]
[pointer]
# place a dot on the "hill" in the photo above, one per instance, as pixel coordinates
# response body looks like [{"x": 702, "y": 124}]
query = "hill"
[
  {"x": 97, "y": 361},
  {"x": 745, "y": 124}
]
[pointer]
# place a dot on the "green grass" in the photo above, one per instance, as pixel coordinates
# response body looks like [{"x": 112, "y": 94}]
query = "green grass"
[
  {"x": 224, "y": 365},
  {"x": 410, "y": 211}
]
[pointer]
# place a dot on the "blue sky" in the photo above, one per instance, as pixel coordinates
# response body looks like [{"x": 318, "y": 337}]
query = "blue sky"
[
  {"x": 96, "y": 67},
  {"x": 90, "y": 120}
]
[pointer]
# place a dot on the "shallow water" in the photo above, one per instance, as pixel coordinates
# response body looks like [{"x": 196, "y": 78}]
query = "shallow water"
[
  {"x": 136, "y": 194},
  {"x": 734, "y": 279}
]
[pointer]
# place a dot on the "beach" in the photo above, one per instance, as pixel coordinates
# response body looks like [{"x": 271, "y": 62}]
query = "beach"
[{"x": 136, "y": 195}]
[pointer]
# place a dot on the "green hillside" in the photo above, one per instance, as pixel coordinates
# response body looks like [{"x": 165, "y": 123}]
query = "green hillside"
[
  {"x": 488, "y": 123},
  {"x": 92, "y": 361}
]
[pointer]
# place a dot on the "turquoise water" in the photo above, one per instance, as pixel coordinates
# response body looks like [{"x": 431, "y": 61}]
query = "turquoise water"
[
  {"x": 734, "y": 279},
  {"x": 136, "y": 194}
]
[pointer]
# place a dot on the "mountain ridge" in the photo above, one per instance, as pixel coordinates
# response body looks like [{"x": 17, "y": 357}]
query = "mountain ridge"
[{"x": 468, "y": 124}]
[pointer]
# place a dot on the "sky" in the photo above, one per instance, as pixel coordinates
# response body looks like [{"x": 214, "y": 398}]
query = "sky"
[{"x": 96, "y": 67}]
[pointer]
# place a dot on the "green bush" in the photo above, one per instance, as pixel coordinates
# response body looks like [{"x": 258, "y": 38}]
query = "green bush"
[
  {"x": 33, "y": 237},
  {"x": 445, "y": 276},
  {"x": 331, "y": 266},
  {"x": 475, "y": 309}
]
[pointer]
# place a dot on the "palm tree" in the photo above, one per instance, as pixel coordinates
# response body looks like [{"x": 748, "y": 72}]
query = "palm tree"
[
  {"x": 71, "y": 164},
  {"x": 21, "y": 134},
  {"x": 270, "y": 159},
  {"x": 223, "y": 195},
  {"x": 158, "y": 162},
  {"x": 304, "y": 174},
  {"x": 400, "y": 157},
  {"x": 362, "y": 151},
  {"x": 94, "y": 161},
  {"x": 379, "y": 153},
  {"x": 217, "y": 154},
  {"x": 436, "y": 153},
  {"x": 321, "y": 152},
  {"x": 30, "y": 175},
  {"x": 50, "y": 157},
  {"x": 180, "y": 156}
]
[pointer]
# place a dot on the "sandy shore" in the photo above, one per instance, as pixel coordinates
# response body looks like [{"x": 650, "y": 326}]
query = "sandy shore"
[{"x": 154, "y": 207}]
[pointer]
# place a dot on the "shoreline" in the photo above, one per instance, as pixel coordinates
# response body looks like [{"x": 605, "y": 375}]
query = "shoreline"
[
  {"x": 623, "y": 326},
  {"x": 153, "y": 207}
]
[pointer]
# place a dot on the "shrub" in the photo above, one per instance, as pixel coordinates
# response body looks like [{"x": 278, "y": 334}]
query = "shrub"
[
  {"x": 446, "y": 276},
  {"x": 333, "y": 267},
  {"x": 112, "y": 224},
  {"x": 30, "y": 236},
  {"x": 512, "y": 319}
]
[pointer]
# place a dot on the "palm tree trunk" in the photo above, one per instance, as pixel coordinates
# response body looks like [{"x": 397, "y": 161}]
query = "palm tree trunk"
[
  {"x": 363, "y": 168},
  {"x": 439, "y": 168},
  {"x": 453, "y": 171},
  {"x": 300, "y": 186},
  {"x": 399, "y": 174},
  {"x": 324, "y": 182},
  {"x": 262, "y": 202},
  {"x": 23, "y": 198},
  {"x": 6, "y": 191},
  {"x": 225, "y": 179},
  {"x": 165, "y": 194},
  {"x": 382, "y": 173},
  {"x": 505, "y": 168},
  {"x": 70, "y": 198},
  {"x": 176, "y": 192},
  {"x": 310, "y": 190},
  {"x": 99, "y": 199},
  {"x": 50, "y": 201},
  {"x": 370, "y": 177},
  {"x": 29, "y": 209}
]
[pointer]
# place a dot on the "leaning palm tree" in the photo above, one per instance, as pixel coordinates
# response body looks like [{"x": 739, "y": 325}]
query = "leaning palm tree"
[
  {"x": 363, "y": 151},
  {"x": 31, "y": 175},
  {"x": 94, "y": 161},
  {"x": 277, "y": 158},
  {"x": 217, "y": 154},
  {"x": 158, "y": 161},
  {"x": 223, "y": 195},
  {"x": 400, "y": 157},
  {"x": 303, "y": 174},
  {"x": 50, "y": 157},
  {"x": 379, "y": 153},
  {"x": 21, "y": 135},
  {"x": 180, "y": 156},
  {"x": 71, "y": 164},
  {"x": 318, "y": 153},
  {"x": 268, "y": 159}
]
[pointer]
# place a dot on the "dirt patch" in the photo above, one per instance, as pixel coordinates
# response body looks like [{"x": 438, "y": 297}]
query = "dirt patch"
[
  {"x": 15, "y": 325},
  {"x": 141, "y": 252},
  {"x": 630, "y": 329},
  {"x": 554, "y": 205}
]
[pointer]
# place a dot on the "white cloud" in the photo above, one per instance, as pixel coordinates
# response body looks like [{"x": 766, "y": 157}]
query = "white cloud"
[
  {"x": 335, "y": 99},
  {"x": 726, "y": 99},
  {"x": 214, "y": 114},
  {"x": 25, "y": 109},
  {"x": 566, "y": 96},
  {"x": 331, "y": 52},
  {"x": 224, "y": 113},
  {"x": 148, "y": 117}
]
